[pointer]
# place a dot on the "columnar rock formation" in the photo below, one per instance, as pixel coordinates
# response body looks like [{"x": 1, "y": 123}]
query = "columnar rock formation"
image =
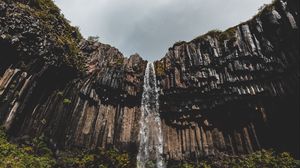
[
  {"x": 233, "y": 92},
  {"x": 99, "y": 109}
]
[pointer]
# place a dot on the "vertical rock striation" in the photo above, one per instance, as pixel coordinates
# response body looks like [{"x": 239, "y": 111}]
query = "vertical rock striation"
[
  {"x": 98, "y": 109},
  {"x": 234, "y": 91},
  {"x": 42, "y": 91},
  {"x": 230, "y": 92}
]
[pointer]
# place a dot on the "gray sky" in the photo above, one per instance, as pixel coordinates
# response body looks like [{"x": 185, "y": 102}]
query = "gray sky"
[{"x": 150, "y": 27}]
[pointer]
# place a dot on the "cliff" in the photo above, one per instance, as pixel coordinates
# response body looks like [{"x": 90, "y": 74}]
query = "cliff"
[
  {"x": 53, "y": 82},
  {"x": 232, "y": 92}
]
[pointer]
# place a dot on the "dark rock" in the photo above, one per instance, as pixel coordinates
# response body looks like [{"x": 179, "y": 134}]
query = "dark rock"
[{"x": 224, "y": 93}]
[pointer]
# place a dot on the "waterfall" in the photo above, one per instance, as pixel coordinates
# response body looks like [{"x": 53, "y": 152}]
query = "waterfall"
[{"x": 151, "y": 139}]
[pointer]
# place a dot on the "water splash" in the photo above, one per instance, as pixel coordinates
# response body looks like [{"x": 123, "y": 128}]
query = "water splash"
[{"x": 151, "y": 139}]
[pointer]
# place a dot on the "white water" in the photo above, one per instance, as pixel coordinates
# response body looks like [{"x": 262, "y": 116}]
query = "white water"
[{"x": 151, "y": 139}]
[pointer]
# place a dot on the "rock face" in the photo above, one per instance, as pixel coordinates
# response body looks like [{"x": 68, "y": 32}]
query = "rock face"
[
  {"x": 43, "y": 93},
  {"x": 233, "y": 92}
]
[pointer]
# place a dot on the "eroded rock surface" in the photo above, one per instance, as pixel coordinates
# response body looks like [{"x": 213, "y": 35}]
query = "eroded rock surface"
[{"x": 232, "y": 92}]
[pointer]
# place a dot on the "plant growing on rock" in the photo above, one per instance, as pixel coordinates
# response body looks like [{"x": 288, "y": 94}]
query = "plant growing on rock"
[
  {"x": 67, "y": 101},
  {"x": 160, "y": 71},
  {"x": 14, "y": 156}
]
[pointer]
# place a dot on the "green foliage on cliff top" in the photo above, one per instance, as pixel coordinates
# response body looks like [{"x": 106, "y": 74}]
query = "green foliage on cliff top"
[
  {"x": 229, "y": 34},
  {"x": 58, "y": 29}
]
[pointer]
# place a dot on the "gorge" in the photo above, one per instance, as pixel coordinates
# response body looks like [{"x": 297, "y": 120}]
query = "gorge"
[{"x": 222, "y": 94}]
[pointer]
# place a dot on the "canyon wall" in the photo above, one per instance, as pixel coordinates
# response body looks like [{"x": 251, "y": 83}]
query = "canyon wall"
[
  {"x": 235, "y": 91},
  {"x": 87, "y": 98},
  {"x": 228, "y": 92}
]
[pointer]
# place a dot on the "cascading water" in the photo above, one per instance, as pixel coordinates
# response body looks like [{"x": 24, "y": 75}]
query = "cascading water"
[{"x": 151, "y": 139}]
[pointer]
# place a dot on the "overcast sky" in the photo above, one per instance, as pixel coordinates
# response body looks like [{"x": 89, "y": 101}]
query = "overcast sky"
[{"x": 150, "y": 27}]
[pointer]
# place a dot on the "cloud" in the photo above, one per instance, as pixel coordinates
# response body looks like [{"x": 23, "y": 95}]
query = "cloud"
[{"x": 150, "y": 27}]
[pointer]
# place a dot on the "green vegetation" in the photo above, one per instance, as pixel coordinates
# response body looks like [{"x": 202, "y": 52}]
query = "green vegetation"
[
  {"x": 58, "y": 29},
  {"x": 263, "y": 159},
  {"x": 160, "y": 70},
  {"x": 97, "y": 158},
  {"x": 13, "y": 156},
  {"x": 67, "y": 101},
  {"x": 44, "y": 5},
  {"x": 36, "y": 154},
  {"x": 119, "y": 61},
  {"x": 214, "y": 33},
  {"x": 93, "y": 38},
  {"x": 228, "y": 34}
]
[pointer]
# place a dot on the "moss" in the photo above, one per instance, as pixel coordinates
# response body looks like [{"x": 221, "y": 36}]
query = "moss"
[
  {"x": 120, "y": 61},
  {"x": 178, "y": 43},
  {"x": 228, "y": 34},
  {"x": 93, "y": 38},
  {"x": 212, "y": 33},
  {"x": 67, "y": 101},
  {"x": 160, "y": 70},
  {"x": 44, "y": 5},
  {"x": 58, "y": 29}
]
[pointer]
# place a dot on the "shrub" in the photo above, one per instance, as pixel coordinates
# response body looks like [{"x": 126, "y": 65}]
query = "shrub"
[
  {"x": 14, "y": 156},
  {"x": 99, "y": 158},
  {"x": 263, "y": 159}
]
